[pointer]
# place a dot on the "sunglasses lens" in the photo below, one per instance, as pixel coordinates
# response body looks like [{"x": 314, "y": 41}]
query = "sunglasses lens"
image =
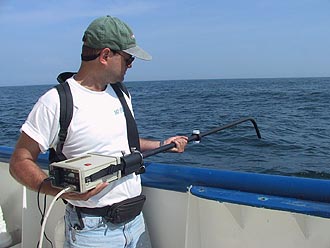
[{"x": 130, "y": 60}]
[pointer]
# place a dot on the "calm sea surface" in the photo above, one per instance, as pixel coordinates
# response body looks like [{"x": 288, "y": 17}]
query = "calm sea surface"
[{"x": 293, "y": 116}]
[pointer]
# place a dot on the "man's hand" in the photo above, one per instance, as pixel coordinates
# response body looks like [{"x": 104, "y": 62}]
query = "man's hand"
[
  {"x": 180, "y": 143},
  {"x": 85, "y": 196}
]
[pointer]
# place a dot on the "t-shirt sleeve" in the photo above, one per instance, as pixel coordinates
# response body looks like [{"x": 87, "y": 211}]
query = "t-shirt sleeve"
[{"x": 42, "y": 124}]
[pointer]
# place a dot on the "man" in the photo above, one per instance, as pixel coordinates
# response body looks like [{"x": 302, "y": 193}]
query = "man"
[{"x": 98, "y": 125}]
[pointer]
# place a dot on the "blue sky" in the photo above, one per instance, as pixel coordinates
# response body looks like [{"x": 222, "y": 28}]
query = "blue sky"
[{"x": 187, "y": 39}]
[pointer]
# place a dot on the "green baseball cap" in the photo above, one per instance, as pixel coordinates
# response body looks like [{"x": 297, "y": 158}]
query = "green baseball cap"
[{"x": 111, "y": 32}]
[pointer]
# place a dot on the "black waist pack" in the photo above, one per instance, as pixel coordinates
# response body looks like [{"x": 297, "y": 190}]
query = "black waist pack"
[
  {"x": 126, "y": 210},
  {"x": 117, "y": 213}
]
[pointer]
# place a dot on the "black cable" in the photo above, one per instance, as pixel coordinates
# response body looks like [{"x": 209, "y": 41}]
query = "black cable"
[{"x": 42, "y": 212}]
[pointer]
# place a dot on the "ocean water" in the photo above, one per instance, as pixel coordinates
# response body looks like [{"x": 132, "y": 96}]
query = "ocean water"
[{"x": 293, "y": 117}]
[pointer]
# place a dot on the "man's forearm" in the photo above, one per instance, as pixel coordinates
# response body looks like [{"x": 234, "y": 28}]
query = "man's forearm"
[{"x": 147, "y": 144}]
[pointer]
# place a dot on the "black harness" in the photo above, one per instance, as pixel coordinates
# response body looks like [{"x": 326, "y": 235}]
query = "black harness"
[{"x": 66, "y": 113}]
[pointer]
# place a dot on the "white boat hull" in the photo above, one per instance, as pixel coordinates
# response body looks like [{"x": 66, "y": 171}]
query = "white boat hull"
[
  {"x": 182, "y": 220},
  {"x": 187, "y": 218}
]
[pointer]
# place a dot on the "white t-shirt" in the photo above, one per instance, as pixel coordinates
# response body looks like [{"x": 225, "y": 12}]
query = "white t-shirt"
[{"x": 98, "y": 126}]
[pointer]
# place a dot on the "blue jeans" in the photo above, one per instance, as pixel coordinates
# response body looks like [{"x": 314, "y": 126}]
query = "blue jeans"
[{"x": 98, "y": 233}]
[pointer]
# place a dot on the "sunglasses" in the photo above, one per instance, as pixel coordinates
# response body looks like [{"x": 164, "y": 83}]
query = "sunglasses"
[{"x": 128, "y": 60}]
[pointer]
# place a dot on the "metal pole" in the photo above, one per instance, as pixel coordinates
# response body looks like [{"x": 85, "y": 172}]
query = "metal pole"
[{"x": 197, "y": 137}]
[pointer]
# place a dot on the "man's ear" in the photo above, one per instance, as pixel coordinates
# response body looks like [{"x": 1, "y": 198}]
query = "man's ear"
[{"x": 105, "y": 54}]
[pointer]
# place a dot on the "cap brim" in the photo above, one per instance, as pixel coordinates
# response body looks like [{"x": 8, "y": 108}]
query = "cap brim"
[{"x": 138, "y": 53}]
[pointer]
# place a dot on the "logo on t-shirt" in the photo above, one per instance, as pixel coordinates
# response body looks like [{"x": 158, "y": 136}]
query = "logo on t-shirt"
[{"x": 118, "y": 111}]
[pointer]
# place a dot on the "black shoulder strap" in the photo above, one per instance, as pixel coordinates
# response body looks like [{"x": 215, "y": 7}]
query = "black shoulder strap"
[
  {"x": 123, "y": 88},
  {"x": 66, "y": 112},
  {"x": 132, "y": 131}
]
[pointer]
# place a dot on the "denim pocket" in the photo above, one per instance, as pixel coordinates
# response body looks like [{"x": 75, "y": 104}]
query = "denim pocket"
[
  {"x": 92, "y": 222},
  {"x": 88, "y": 222}
]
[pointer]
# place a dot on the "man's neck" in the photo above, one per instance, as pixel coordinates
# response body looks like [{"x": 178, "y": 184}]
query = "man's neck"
[{"x": 90, "y": 79}]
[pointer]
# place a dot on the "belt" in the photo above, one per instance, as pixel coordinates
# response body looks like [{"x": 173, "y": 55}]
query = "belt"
[{"x": 102, "y": 211}]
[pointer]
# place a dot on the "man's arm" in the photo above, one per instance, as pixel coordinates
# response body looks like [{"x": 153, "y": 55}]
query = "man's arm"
[
  {"x": 24, "y": 169},
  {"x": 22, "y": 163},
  {"x": 180, "y": 143}
]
